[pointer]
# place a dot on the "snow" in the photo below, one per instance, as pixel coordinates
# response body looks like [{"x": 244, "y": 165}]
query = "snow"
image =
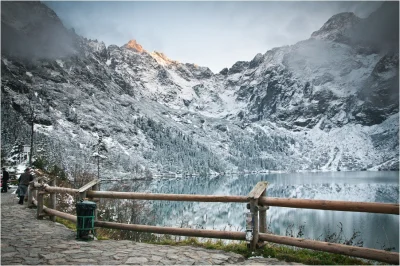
[
  {"x": 60, "y": 63},
  {"x": 317, "y": 59},
  {"x": 352, "y": 139},
  {"x": 156, "y": 88},
  {"x": 47, "y": 130}
]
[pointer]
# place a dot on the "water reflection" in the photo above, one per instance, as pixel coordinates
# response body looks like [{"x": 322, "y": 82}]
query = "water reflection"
[{"x": 376, "y": 230}]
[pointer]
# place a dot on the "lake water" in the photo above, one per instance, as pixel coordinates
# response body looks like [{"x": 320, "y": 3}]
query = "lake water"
[{"x": 375, "y": 230}]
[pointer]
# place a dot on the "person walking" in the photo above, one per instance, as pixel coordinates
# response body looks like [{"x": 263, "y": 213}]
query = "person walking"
[
  {"x": 24, "y": 180},
  {"x": 6, "y": 177}
]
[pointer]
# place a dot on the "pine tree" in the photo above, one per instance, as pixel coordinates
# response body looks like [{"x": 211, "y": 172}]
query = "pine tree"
[
  {"x": 100, "y": 149},
  {"x": 15, "y": 153}
]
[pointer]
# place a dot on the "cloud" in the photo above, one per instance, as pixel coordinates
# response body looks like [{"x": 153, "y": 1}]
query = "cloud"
[
  {"x": 213, "y": 34},
  {"x": 298, "y": 24}
]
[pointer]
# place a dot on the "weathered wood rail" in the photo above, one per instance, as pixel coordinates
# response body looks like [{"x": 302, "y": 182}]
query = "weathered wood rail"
[{"x": 257, "y": 201}]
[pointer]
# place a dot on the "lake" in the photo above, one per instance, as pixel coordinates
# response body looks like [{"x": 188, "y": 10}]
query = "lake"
[{"x": 374, "y": 230}]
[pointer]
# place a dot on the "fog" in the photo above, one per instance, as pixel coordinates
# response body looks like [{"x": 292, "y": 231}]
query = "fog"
[{"x": 30, "y": 30}]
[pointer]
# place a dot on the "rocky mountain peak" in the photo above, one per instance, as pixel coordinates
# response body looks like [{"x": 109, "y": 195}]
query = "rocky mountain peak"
[
  {"x": 133, "y": 44},
  {"x": 162, "y": 59},
  {"x": 336, "y": 26},
  {"x": 318, "y": 104}
]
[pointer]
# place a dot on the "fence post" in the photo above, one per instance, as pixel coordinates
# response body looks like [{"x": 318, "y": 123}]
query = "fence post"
[
  {"x": 263, "y": 215},
  {"x": 96, "y": 187},
  {"x": 39, "y": 213},
  {"x": 254, "y": 212},
  {"x": 258, "y": 222},
  {"x": 53, "y": 200},
  {"x": 263, "y": 219},
  {"x": 30, "y": 194}
]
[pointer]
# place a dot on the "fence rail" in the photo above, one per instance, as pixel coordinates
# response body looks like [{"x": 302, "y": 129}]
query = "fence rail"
[{"x": 258, "y": 204}]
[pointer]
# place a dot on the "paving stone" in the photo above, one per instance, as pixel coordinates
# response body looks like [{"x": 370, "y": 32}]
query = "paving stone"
[
  {"x": 157, "y": 253},
  {"x": 135, "y": 253},
  {"x": 219, "y": 256},
  {"x": 33, "y": 261},
  {"x": 78, "y": 255},
  {"x": 108, "y": 262},
  {"x": 70, "y": 251},
  {"x": 119, "y": 257},
  {"x": 172, "y": 256},
  {"x": 202, "y": 254},
  {"x": 51, "y": 256},
  {"x": 166, "y": 262},
  {"x": 202, "y": 262},
  {"x": 57, "y": 262},
  {"x": 7, "y": 249},
  {"x": 107, "y": 254},
  {"x": 136, "y": 260},
  {"x": 187, "y": 261},
  {"x": 156, "y": 258},
  {"x": 9, "y": 254},
  {"x": 83, "y": 260},
  {"x": 65, "y": 246}
]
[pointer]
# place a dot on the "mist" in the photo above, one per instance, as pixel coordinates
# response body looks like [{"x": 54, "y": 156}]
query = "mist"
[{"x": 33, "y": 35}]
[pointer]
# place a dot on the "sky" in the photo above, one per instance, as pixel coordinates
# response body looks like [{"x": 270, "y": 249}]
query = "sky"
[{"x": 211, "y": 34}]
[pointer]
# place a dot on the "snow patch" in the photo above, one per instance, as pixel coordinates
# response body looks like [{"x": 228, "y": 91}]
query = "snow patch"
[{"x": 60, "y": 63}]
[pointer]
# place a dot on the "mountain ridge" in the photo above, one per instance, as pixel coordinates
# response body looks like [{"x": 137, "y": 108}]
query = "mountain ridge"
[{"x": 298, "y": 107}]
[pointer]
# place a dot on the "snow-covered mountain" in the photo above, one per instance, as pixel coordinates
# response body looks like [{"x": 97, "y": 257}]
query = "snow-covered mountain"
[{"x": 329, "y": 102}]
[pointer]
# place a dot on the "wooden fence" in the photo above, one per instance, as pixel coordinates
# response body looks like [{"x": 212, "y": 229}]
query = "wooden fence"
[{"x": 256, "y": 200}]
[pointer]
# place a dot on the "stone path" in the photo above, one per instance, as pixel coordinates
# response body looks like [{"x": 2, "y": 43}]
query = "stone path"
[{"x": 28, "y": 241}]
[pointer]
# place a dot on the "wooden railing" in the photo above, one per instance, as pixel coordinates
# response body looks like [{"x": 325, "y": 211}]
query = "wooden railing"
[{"x": 256, "y": 200}]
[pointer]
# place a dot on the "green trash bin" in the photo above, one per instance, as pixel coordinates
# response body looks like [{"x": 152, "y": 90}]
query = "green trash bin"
[{"x": 85, "y": 214}]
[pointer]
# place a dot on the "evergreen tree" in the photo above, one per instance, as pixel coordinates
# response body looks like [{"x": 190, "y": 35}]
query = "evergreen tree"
[
  {"x": 15, "y": 153},
  {"x": 100, "y": 149}
]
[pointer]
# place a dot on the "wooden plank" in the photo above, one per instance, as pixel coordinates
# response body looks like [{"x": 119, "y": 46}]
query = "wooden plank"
[
  {"x": 173, "y": 230},
  {"x": 53, "y": 200},
  {"x": 30, "y": 194},
  {"x": 258, "y": 189},
  {"x": 366, "y": 253},
  {"x": 39, "y": 212},
  {"x": 95, "y": 188},
  {"x": 254, "y": 212},
  {"x": 171, "y": 197},
  {"x": 88, "y": 185},
  {"x": 334, "y": 205},
  {"x": 265, "y": 201},
  {"x": 60, "y": 189},
  {"x": 63, "y": 215},
  {"x": 82, "y": 195},
  {"x": 263, "y": 215}
]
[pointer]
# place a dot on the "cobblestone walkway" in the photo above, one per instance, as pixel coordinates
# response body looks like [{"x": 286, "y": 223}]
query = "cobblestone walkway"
[{"x": 28, "y": 241}]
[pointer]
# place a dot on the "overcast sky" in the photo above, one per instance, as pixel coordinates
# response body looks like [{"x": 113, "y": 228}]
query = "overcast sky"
[{"x": 212, "y": 34}]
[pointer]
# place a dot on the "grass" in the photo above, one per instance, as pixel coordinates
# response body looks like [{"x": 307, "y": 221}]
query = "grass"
[
  {"x": 270, "y": 250},
  {"x": 67, "y": 223},
  {"x": 306, "y": 256}
]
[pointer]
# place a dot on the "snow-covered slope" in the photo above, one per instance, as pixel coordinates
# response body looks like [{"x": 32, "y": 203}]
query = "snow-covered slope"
[{"x": 324, "y": 103}]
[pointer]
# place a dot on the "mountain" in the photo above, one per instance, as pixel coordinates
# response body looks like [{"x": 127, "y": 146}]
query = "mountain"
[{"x": 326, "y": 103}]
